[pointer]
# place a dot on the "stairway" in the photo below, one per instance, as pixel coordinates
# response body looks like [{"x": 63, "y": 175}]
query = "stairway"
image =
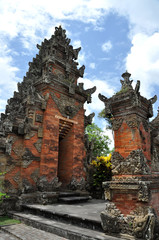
[
  {"x": 73, "y": 197},
  {"x": 78, "y": 221}
]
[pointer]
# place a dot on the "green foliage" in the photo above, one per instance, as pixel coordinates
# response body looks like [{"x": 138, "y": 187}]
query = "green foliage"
[
  {"x": 2, "y": 194},
  {"x": 123, "y": 90},
  {"x": 5, "y": 220},
  {"x": 102, "y": 166},
  {"x": 100, "y": 141},
  {"x": 108, "y": 119}
]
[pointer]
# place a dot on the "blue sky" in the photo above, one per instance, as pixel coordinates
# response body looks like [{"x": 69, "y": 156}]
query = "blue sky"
[{"x": 115, "y": 35}]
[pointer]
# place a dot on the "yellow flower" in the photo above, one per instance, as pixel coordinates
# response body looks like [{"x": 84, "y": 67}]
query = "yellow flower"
[{"x": 94, "y": 163}]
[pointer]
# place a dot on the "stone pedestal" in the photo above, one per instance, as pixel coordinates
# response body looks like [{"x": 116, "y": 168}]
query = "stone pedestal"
[{"x": 133, "y": 192}]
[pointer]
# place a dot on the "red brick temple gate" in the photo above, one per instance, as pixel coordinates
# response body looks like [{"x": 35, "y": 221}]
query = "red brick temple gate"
[
  {"x": 133, "y": 192},
  {"x": 42, "y": 130}
]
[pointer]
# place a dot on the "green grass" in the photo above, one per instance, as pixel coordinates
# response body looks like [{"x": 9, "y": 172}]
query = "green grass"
[{"x": 5, "y": 220}]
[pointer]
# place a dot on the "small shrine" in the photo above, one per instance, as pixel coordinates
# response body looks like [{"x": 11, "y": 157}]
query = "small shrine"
[
  {"x": 42, "y": 130},
  {"x": 133, "y": 193}
]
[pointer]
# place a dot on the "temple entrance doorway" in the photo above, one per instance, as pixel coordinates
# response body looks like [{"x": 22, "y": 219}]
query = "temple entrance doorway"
[{"x": 65, "y": 153}]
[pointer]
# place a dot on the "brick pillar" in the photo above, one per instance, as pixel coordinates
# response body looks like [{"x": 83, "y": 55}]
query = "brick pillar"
[
  {"x": 134, "y": 189},
  {"x": 49, "y": 151}
]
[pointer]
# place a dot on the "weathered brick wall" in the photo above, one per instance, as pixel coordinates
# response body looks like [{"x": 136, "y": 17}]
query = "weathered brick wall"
[
  {"x": 30, "y": 128},
  {"x": 128, "y": 139},
  {"x": 49, "y": 152}
]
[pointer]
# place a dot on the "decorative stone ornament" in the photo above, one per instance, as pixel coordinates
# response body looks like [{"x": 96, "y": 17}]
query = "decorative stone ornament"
[
  {"x": 132, "y": 194},
  {"x": 52, "y": 151}
]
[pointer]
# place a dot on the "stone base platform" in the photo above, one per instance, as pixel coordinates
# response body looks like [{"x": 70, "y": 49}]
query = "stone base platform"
[{"x": 78, "y": 221}]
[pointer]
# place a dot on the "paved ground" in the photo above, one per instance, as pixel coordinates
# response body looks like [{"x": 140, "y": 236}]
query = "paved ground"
[
  {"x": 24, "y": 232},
  {"x": 88, "y": 210}
]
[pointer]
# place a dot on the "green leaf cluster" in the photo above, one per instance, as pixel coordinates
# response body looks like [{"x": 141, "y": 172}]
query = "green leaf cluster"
[
  {"x": 102, "y": 166},
  {"x": 5, "y": 220},
  {"x": 2, "y": 194},
  {"x": 100, "y": 140},
  {"x": 108, "y": 119}
]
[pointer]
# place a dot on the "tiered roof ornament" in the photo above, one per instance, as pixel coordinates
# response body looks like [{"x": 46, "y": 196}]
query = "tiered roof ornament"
[
  {"x": 55, "y": 65},
  {"x": 131, "y": 96},
  {"x": 127, "y": 83}
]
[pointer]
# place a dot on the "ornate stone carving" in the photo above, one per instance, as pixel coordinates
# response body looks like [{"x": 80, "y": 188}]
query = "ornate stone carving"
[
  {"x": 117, "y": 160},
  {"x": 134, "y": 164},
  {"x": 28, "y": 157},
  {"x": 39, "y": 118},
  {"x": 144, "y": 223},
  {"x": 27, "y": 187},
  {"x": 126, "y": 83},
  {"x": 144, "y": 192},
  {"x": 81, "y": 70},
  {"x": 137, "y": 87},
  {"x": 44, "y": 185},
  {"x": 19, "y": 150},
  {"x": 77, "y": 184},
  {"x": 140, "y": 223},
  {"x": 133, "y": 123},
  {"x": 89, "y": 93},
  {"x": 66, "y": 105},
  {"x": 17, "y": 177},
  {"x": 116, "y": 123},
  {"x": 107, "y": 103},
  {"x": 146, "y": 125},
  {"x": 88, "y": 119},
  {"x": 9, "y": 143},
  {"x": 40, "y": 132},
  {"x": 38, "y": 145},
  {"x": 107, "y": 194},
  {"x": 140, "y": 187},
  {"x": 110, "y": 219}
]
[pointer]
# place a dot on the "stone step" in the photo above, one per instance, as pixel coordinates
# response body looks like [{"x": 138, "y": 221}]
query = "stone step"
[
  {"x": 73, "y": 199},
  {"x": 24, "y": 232},
  {"x": 53, "y": 212},
  {"x": 69, "y": 194},
  {"x": 64, "y": 230}
]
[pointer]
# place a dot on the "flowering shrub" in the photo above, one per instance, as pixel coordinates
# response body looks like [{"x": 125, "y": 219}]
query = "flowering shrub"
[{"x": 102, "y": 166}]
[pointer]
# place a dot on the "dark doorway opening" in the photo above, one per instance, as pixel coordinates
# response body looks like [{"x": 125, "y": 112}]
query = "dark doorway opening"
[{"x": 65, "y": 155}]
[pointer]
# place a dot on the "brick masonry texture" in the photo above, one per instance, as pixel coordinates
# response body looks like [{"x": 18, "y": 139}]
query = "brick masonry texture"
[{"x": 42, "y": 130}]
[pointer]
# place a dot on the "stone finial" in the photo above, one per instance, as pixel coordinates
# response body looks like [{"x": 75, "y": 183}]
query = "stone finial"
[
  {"x": 126, "y": 83},
  {"x": 126, "y": 75},
  {"x": 60, "y": 32}
]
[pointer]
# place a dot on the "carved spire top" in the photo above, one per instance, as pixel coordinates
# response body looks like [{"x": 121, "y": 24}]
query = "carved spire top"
[
  {"x": 126, "y": 83},
  {"x": 126, "y": 75}
]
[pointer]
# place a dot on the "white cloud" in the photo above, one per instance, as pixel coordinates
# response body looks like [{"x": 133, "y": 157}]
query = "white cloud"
[
  {"x": 92, "y": 65},
  {"x": 102, "y": 87},
  {"x": 143, "y": 61},
  {"x": 29, "y": 20},
  {"x": 77, "y": 44},
  {"x": 107, "y": 46},
  {"x": 8, "y": 79},
  {"x": 142, "y": 15}
]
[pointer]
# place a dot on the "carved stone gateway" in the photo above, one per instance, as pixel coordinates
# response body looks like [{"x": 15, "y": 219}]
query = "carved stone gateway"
[
  {"x": 42, "y": 129},
  {"x": 133, "y": 193}
]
